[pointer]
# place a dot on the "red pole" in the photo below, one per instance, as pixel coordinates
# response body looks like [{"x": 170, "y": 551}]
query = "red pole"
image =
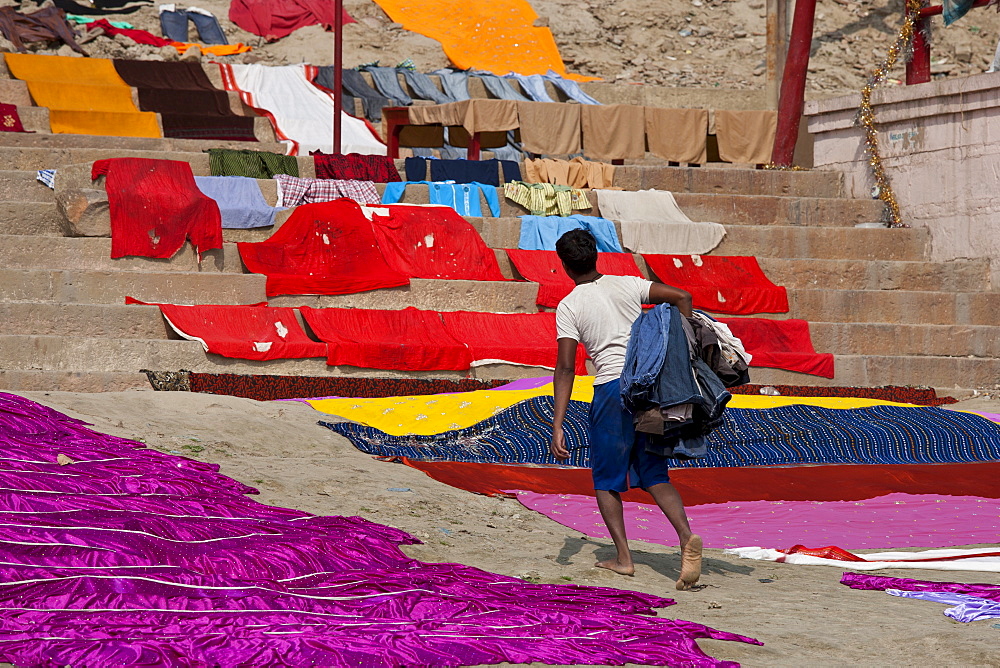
[
  {"x": 918, "y": 70},
  {"x": 338, "y": 67},
  {"x": 793, "y": 83}
]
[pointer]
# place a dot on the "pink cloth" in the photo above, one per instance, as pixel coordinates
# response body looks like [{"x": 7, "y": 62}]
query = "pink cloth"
[{"x": 890, "y": 521}]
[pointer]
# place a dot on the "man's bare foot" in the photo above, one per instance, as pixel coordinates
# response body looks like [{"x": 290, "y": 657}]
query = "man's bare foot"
[
  {"x": 617, "y": 567},
  {"x": 690, "y": 563}
]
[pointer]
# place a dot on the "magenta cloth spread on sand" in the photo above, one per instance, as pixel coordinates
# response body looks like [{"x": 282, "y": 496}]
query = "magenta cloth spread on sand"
[
  {"x": 128, "y": 556},
  {"x": 893, "y": 520}
]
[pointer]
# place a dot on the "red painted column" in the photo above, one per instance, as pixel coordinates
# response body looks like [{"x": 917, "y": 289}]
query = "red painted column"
[
  {"x": 918, "y": 70},
  {"x": 793, "y": 83},
  {"x": 338, "y": 74}
]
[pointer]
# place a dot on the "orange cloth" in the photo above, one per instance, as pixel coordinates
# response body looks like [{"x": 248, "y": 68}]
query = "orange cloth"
[
  {"x": 678, "y": 134},
  {"x": 746, "y": 137},
  {"x": 84, "y": 96},
  {"x": 492, "y": 35},
  {"x": 214, "y": 50},
  {"x": 575, "y": 173},
  {"x": 613, "y": 131}
]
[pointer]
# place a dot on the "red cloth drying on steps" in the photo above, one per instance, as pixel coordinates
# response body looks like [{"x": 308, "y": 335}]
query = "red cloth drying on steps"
[
  {"x": 155, "y": 206},
  {"x": 326, "y": 248},
  {"x": 781, "y": 344},
  {"x": 545, "y": 268},
  {"x": 721, "y": 284}
]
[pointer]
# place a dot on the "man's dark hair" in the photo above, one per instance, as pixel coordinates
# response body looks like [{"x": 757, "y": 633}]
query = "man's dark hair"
[{"x": 578, "y": 251}]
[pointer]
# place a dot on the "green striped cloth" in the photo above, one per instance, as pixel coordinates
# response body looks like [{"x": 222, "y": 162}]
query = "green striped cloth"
[{"x": 252, "y": 164}]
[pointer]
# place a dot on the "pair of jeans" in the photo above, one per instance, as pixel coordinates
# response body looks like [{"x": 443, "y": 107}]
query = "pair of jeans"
[{"x": 174, "y": 23}]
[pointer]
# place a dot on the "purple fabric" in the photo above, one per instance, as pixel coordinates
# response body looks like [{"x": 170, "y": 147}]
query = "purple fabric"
[
  {"x": 127, "y": 556},
  {"x": 966, "y": 608},
  {"x": 526, "y": 383},
  {"x": 863, "y": 581}
]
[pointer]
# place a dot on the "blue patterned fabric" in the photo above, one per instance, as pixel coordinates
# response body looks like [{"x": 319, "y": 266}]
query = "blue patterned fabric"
[{"x": 783, "y": 436}]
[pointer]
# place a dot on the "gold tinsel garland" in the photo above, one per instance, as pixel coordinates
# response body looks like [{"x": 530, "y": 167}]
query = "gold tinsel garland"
[{"x": 866, "y": 115}]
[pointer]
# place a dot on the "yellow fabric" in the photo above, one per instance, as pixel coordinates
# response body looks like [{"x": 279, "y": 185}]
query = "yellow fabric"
[
  {"x": 436, "y": 413},
  {"x": 761, "y": 401},
  {"x": 492, "y": 35},
  {"x": 84, "y": 96}
]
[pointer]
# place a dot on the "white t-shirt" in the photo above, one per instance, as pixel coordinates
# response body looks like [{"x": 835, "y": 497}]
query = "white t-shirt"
[{"x": 600, "y": 315}]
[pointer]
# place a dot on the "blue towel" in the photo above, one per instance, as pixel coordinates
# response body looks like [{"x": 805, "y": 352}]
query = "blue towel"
[
  {"x": 387, "y": 82},
  {"x": 534, "y": 86},
  {"x": 790, "y": 435},
  {"x": 570, "y": 88},
  {"x": 240, "y": 201},
  {"x": 499, "y": 88},
  {"x": 542, "y": 232},
  {"x": 462, "y": 197}
]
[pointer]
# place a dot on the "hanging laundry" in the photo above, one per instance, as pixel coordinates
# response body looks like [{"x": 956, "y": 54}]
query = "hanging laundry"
[
  {"x": 423, "y": 87},
  {"x": 533, "y": 85},
  {"x": 474, "y": 115},
  {"x": 570, "y": 88},
  {"x": 433, "y": 242},
  {"x": 575, "y": 173},
  {"x": 781, "y": 344},
  {"x": 653, "y": 223},
  {"x": 300, "y": 112},
  {"x": 45, "y": 25},
  {"x": 293, "y": 191},
  {"x": 462, "y": 197},
  {"x": 545, "y": 199},
  {"x": 387, "y": 82},
  {"x": 174, "y": 24},
  {"x": 274, "y": 19},
  {"x": 464, "y": 171},
  {"x": 10, "y": 121},
  {"x": 322, "y": 249},
  {"x": 252, "y": 164},
  {"x": 542, "y": 232},
  {"x": 550, "y": 128},
  {"x": 678, "y": 135},
  {"x": 545, "y": 268},
  {"x": 723, "y": 284},
  {"x": 84, "y": 96},
  {"x": 155, "y": 207},
  {"x": 498, "y": 87},
  {"x": 240, "y": 201},
  {"x": 746, "y": 137},
  {"x": 190, "y": 107},
  {"x": 405, "y": 340},
  {"x": 613, "y": 132},
  {"x": 454, "y": 83},
  {"x": 415, "y": 168},
  {"x": 527, "y": 339},
  {"x": 243, "y": 332},
  {"x": 375, "y": 168},
  {"x": 354, "y": 86}
]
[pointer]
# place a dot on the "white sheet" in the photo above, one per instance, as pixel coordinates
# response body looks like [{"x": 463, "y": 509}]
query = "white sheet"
[
  {"x": 968, "y": 559},
  {"x": 653, "y": 223},
  {"x": 302, "y": 112}
]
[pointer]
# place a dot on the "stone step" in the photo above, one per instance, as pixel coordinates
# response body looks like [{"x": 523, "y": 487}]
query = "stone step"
[
  {"x": 431, "y": 294},
  {"x": 33, "y": 219},
  {"x": 954, "y": 275},
  {"x": 111, "y": 287},
  {"x": 110, "y": 321},
  {"x": 165, "y": 144},
  {"x": 22, "y": 187},
  {"x": 851, "y": 338},
  {"x": 33, "y": 158},
  {"x": 94, "y": 254},
  {"x": 15, "y": 91},
  {"x": 736, "y": 181},
  {"x": 942, "y": 373},
  {"x": 20, "y": 353},
  {"x": 896, "y": 306},
  {"x": 72, "y": 381}
]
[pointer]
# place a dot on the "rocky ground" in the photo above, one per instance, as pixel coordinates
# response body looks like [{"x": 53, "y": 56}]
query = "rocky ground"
[{"x": 689, "y": 43}]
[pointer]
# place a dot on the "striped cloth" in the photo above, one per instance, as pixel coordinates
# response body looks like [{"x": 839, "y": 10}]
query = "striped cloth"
[
  {"x": 293, "y": 191},
  {"x": 545, "y": 199},
  {"x": 789, "y": 435},
  {"x": 47, "y": 176},
  {"x": 253, "y": 164}
]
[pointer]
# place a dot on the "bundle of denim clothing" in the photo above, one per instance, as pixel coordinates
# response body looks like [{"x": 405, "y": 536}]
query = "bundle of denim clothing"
[{"x": 673, "y": 380}]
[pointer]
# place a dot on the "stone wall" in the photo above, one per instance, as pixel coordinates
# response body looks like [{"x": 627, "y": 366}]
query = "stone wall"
[{"x": 940, "y": 145}]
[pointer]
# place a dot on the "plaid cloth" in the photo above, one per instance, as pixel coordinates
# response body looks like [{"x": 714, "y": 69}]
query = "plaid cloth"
[
  {"x": 48, "y": 177},
  {"x": 355, "y": 167},
  {"x": 293, "y": 191}
]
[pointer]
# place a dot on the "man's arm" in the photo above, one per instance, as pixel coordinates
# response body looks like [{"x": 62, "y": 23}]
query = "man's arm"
[
  {"x": 665, "y": 294},
  {"x": 562, "y": 381}
]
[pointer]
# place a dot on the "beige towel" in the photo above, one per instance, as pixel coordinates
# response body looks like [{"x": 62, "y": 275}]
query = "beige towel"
[
  {"x": 549, "y": 128},
  {"x": 473, "y": 115},
  {"x": 613, "y": 132},
  {"x": 745, "y": 137},
  {"x": 576, "y": 173},
  {"x": 653, "y": 223},
  {"x": 678, "y": 134}
]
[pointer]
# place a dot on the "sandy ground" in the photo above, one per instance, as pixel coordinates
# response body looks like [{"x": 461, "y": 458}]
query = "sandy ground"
[{"x": 803, "y": 616}]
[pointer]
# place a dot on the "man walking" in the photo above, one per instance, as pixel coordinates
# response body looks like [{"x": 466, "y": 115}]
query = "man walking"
[{"x": 599, "y": 313}]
